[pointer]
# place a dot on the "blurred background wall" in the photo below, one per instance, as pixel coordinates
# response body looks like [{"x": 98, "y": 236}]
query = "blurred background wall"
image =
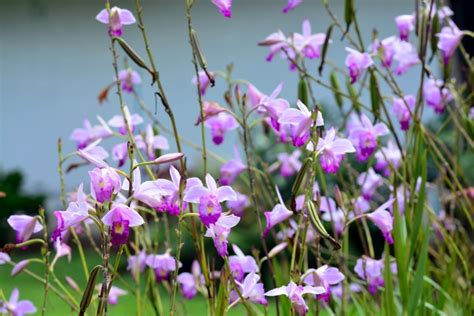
[{"x": 55, "y": 58}]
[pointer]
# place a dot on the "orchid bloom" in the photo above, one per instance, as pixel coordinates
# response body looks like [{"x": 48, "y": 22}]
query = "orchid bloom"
[
  {"x": 136, "y": 263},
  {"x": 120, "y": 218},
  {"x": 405, "y": 24},
  {"x": 162, "y": 265},
  {"x": 276, "y": 42},
  {"x": 388, "y": 157},
  {"x": 220, "y": 230},
  {"x": 274, "y": 106},
  {"x": 406, "y": 57},
  {"x": 219, "y": 125},
  {"x": 448, "y": 40},
  {"x": 128, "y": 79},
  {"x": 357, "y": 63},
  {"x": 331, "y": 150},
  {"x": 88, "y": 134},
  {"x": 309, "y": 44},
  {"x": 295, "y": 294},
  {"x": 105, "y": 182},
  {"x": 114, "y": 294},
  {"x": 278, "y": 214},
  {"x": 19, "y": 267},
  {"x": 15, "y": 307},
  {"x": 170, "y": 190},
  {"x": 369, "y": 182},
  {"x": 324, "y": 276},
  {"x": 332, "y": 214},
  {"x": 4, "y": 258},
  {"x": 76, "y": 212},
  {"x": 62, "y": 249},
  {"x": 363, "y": 135},
  {"x": 209, "y": 199},
  {"x": 402, "y": 108},
  {"x": 238, "y": 206},
  {"x": 94, "y": 154},
  {"x": 253, "y": 290},
  {"x": 291, "y": 5},
  {"x": 289, "y": 164},
  {"x": 189, "y": 282},
  {"x": 224, "y": 6},
  {"x": 383, "y": 220},
  {"x": 116, "y": 19},
  {"x": 232, "y": 169},
  {"x": 436, "y": 95},
  {"x": 204, "y": 81},
  {"x": 118, "y": 121},
  {"x": 240, "y": 264},
  {"x": 301, "y": 121},
  {"x": 371, "y": 270},
  {"x": 24, "y": 226},
  {"x": 151, "y": 142},
  {"x": 361, "y": 206}
]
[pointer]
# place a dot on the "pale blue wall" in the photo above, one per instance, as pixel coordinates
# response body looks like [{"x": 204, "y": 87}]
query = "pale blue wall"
[{"x": 54, "y": 59}]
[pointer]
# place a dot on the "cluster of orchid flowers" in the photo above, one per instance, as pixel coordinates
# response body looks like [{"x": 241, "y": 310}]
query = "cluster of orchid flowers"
[{"x": 116, "y": 201}]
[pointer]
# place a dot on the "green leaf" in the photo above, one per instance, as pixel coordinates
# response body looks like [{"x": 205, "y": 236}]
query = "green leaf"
[
  {"x": 390, "y": 308},
  {"x": 222, "y": 295},
  {"x": 416, "y": 298},
  {"x": 420, "y": 203}
]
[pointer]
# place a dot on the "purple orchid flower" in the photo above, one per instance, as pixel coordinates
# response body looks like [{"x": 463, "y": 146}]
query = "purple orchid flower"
[
  {"x": 204, "y": 81},
  {"x": 170, "y": 190},
  {"x": 291, "y": 5},
  {"x": 240, "y": 264},
  {"x": 383, "y": 220},
  {"x": 295, "y": 294},
  {"x": 209, "y": 199},
  {"x": 24, "y": 226},
  {"x": 136, "y": 263},
  {"x": 388, "y": 157},
  {"x": 332, "y": 214},
  {"x": 337, "y": 290},
  {"x": 406, "y": 57},
  {"x": 162, "y": 265},
  {"x": 277, "y": 42},
  {"x": 448, "y": 40},
  {"x": 289, "y": 164},
  {"x": 120, "y": 218},
  {"x": 309, "y": 44},
  {"x": 238, "y": 206},
  {"x": 402, "y": 108},
  {"x": 219, "y": 232},
  {"x": 105, "y": 182},
  {"x": 254, "y": 95},
  {"x": 363, "y": 135},
  {"x": 278, "y": 214},
  {"x": 219, "y": 125},
  {"x": 94, "y": 154},
  {"x": 118, "y": 121},
  {"x": 324, "y": 276},
  {"x": 371, "y": 270},
  {"x": 301, "y": 122},
  {"x": 88, "y": 134},
  {"x": 62, "y": 249},
  {"x": 232, "y": 169},
  {"x": 4, "y": 258},
  {"x": 224, "y": 6},
  {"x": 405, "y": 24},
  {"x": 436, "y": 95},
  {"x": 16, "y": 307},
  {"x": 253, "y": 290},
  {"x": 151, "y": 142},
  {"x": 385, "y": 49},
  {"x": 369, "y": 182},
  {"x": 19, "y": 267},
  {"x": 128, "y": 79},
  {"x": 114, "y": 294},
  {"x": 331, "y": 150},
  {"x": 189, "y": 282},
  {"x": 361, "y": 206},
  {"x": 116, "y": 20},
  {"x": 357, "y": 63},
  {"x": 274, "y": 106}
]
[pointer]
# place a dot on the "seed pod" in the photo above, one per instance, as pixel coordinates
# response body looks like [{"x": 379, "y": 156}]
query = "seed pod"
[
  {"x": 300, "y": 177},
  {"x": 200, "y": 55},
  {"x": 303, "y": 94},
  {"x": 87, "y": 296},
  {"x": 325, "y": 48},
  {"x": 318, "y": 226},
  {"x": 375, "y": 97},
  {"x": 353, "y": 95},
  {"x": 336, "y": 89},
  {"x": 348, "y": 14},
  {"x": 133, "y": 55}
]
